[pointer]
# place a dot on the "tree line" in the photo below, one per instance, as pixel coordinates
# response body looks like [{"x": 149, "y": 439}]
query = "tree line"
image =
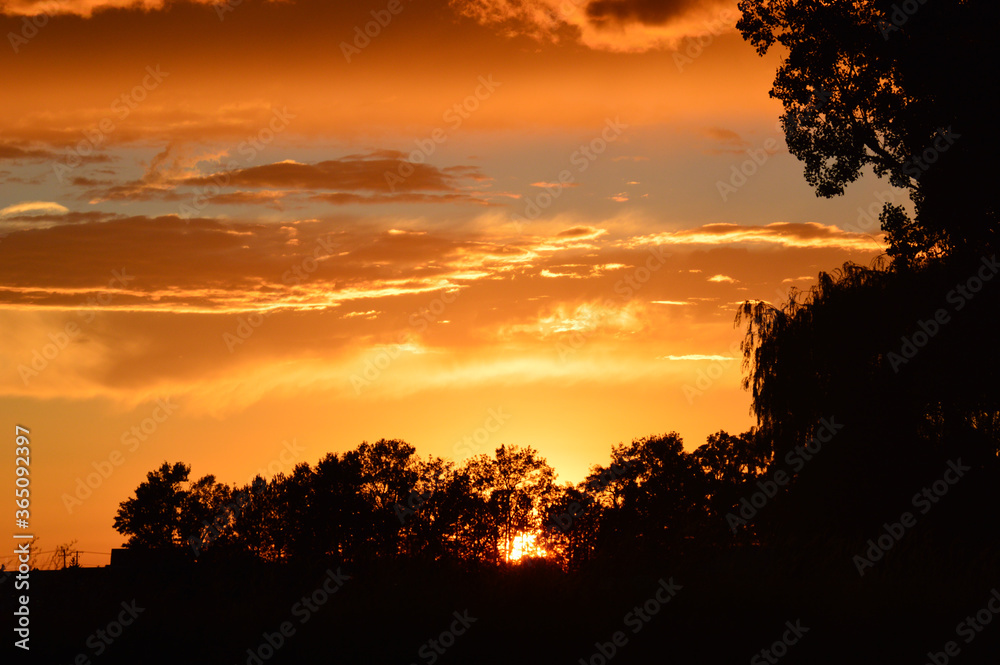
[{"x": 383, "y": 501}]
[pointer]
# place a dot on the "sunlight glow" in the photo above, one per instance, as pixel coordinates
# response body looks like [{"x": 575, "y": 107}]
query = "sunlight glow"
[{"x": 525, "y": 546}]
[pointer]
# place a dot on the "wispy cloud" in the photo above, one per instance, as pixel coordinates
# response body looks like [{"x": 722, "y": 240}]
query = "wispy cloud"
[
  {"x": 787, "y": 234},
  {"x": 31, "y": 208}
]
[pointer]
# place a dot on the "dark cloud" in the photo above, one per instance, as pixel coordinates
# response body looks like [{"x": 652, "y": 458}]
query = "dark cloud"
[
  {"x": 271, "y": 199},
  {"x": 71, "y": 217},
  {"x": 18, "y": 151},
  {"x": 342, "y": 198},
  {"x": 725, "y": 141},
  {"x": 578, "y": 232},
  {"x": 652, "y": 12},
  {"x": 382, "y": 176},
  {"x": 376, "y": 172}
]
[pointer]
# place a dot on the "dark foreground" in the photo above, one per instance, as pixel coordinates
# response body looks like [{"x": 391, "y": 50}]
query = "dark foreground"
[{"x": 712, "y": 608}]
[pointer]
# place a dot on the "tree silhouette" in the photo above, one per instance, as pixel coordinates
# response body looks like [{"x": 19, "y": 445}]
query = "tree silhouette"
[
  {"x": 201, "y": 506},
  {"x": 729, "y": 460},
  {"x": 865, "y": 349},
  {"x": 152, "y": 519},
  {"x": 388, "y": 475},
  {"x": 655, "y": 500},
  {"x": 337, "y": 507},
  {"x": 293, "y": 530},
  {"x": 438, "y": 516},
  {"x": 573, "y": 521},
  {"x": 515, "y": 485},
  {"x": 869, "y": 84},
  {"x": 731, "y": 463}
]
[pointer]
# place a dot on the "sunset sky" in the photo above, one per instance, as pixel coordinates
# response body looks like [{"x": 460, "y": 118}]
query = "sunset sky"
[{"x": 519, "y": 216}]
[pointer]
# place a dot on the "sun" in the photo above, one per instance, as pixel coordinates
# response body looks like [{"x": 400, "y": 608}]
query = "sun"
[{"x": 525, "y": 545}]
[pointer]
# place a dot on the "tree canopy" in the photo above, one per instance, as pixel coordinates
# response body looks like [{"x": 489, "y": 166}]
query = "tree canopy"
[
  {"x": 883, "y": 84},
  {"x": 381, "y": 501}
]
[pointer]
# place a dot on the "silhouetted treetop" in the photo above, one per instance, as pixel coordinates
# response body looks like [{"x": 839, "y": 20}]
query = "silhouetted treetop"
[
  {"x": 898, "y": 87},
  {"x": 381, "y": 501}
]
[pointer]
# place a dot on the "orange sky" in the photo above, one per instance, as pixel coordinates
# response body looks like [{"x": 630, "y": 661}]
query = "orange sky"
[{"x": 527, "y": 209}]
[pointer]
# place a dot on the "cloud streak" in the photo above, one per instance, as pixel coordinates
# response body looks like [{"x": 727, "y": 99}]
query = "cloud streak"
[{"x": 785, "y": 234}]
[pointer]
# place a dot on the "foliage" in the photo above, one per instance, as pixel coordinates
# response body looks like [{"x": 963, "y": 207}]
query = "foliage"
[{"x": 865, "y": 83}]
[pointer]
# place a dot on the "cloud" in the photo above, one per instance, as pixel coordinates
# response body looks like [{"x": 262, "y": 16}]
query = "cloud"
[
  {"x": 557, "y": 185},
  {"x": 207, "y": 265},
  {"x": 326, "y": 295},
  {"x": 32, "y": 208},
  {"x": 619, "y": 25},
  {"x": 85, "y": 8},
  {"x": 786, "y": 234},
  {"x": 343, "y": 198},
  {"x": 581, "y": 233},
  {"x": 16, "y": 151},
  {"x": 613, "y": 25},
  {"x": 652, "y": 12},
  {"x": 381, "y": 176},
  {"x": 722, "y": 278},
  {"x": 696, "y": 356},
  {"x": 385, "y": 172},
  {"x": 588, "y": 318},
  {"x": 263, "y": 197},
  {"x": 727, "y": 142}
]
